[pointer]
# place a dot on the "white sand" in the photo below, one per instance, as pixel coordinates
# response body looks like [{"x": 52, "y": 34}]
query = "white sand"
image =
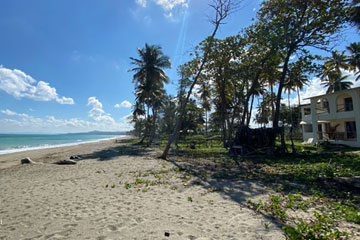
[{"x": 46, "y": 201}]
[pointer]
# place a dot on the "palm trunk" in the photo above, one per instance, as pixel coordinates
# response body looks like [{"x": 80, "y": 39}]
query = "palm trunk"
[
  {"x": 153, "y": 127},
  {"x": 146, "y": 126}
]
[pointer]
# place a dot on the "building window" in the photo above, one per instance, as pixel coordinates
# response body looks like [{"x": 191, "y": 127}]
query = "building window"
[
  {"x": 308, "y": 128},
  {"x": 350, "y": 130},
  {"x": 348, "y": 104},
  {"x": 322, "y": 106},
  {"x": 307, "y": 111}
]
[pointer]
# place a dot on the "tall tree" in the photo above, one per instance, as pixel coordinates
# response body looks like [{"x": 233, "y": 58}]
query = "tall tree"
[
  {"x": 354, "y": 58},
  {"x": 149, "y": 79},
  {"x": 355, "y": 13},
  {"x": 205, "y": 99},
  {"x": 222, "y": 10},
  {"x": 337, "y": 62},
  {"x": 295, "y": 25},
  {"x": 335, "y": 82}
]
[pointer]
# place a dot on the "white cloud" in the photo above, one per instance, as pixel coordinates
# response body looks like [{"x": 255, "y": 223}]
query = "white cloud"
[
  {"x": 12, "y": 113},
  {"x": 168, "y": 5},
  {"x": 169, "y": 15},
  {"x": 20, "y": 85},
  {"x": 65, "y": 100},
  {"x": 126, "y": 118},
  {"x": 124, "y": 104},
  {"x": 8, "y": 112},
  {"x": 314, "y": 88},
  {"x": 141, "y": 3},
  {"x": 97, "y": 113},
  {"x": 20, "y": 122}
]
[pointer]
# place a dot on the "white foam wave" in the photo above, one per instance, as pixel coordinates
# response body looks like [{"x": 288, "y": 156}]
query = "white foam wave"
[{"x": 45, "y": 146}]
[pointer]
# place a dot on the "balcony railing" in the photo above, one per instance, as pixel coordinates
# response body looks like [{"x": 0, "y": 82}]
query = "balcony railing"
[
  {"x": 336, "y": 136},
  {"x": 344, "y": 107},
  {"x": 322, "y": 110}
]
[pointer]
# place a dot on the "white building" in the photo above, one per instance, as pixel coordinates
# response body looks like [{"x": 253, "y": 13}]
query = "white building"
[{"x": 333, "y": 117}]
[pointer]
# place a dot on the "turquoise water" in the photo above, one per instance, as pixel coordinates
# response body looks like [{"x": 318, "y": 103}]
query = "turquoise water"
[{"x": 21, "y": 142}]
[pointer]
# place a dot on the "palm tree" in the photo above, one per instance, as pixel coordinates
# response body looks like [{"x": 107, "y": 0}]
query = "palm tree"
[
  {"x": 149, "y": 79},
  {"x": 355, "y": 13},
  {"x": 335, "y": 63},
  {"x": 335, "y": 82},
  {"x": 354, "y": 58}
]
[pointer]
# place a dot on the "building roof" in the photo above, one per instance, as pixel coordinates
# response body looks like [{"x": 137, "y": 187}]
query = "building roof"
[{"x": 332, "y": 93}]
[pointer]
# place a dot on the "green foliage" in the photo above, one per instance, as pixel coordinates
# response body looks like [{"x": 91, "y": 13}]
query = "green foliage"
[
  {"x": 128, "y": 185},
  {"x": 320, "y": 229},
  {"x": 149, "y": 79}
]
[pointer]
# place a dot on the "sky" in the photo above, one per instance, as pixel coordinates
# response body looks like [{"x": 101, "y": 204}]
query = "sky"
[{"x": 64, "y": 63}]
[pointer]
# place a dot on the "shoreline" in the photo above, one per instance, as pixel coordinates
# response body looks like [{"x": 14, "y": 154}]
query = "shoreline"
[
  {"x": 16, "y": 150},
  {"x": 57, "y": 153}
]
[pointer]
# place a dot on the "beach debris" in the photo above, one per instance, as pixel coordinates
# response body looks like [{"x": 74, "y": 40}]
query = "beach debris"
[
  {"x": 26, "y": 160},
  {"x": 65, "y": 162},
  {"x": 167, "y": 234},
  {"x": 76, "y": 157}
]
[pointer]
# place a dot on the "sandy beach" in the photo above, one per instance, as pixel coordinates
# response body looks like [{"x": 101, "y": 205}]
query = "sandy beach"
[{"x": 119, "y": 191}]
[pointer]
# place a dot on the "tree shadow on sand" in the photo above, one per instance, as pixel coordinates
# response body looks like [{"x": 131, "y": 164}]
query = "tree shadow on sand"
[
  {"x": 225, "y": 178},
  {"x": 243, "y": 179},
  {"x": 125, "y": 148}
]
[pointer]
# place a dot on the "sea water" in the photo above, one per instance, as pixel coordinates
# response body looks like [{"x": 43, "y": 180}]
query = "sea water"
[{"x": 10, "y": 143}]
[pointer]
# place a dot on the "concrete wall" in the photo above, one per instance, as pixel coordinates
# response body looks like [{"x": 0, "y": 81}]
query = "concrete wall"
[{"x": 338, "y": 117}]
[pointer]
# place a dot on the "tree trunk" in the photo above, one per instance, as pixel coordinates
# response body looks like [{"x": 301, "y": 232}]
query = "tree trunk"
[
  {"x": 292, "y": 126},
  {"x": 249, "y": 113},
  {"x": 278, "y": 101},
  {"x": 146, "y": 126},
  {"x": 153, "y": 127},
  {"x": 222, "y": 104},
  {"x": 206, "y": 127},
  {"x": 272, "y": 103},
  {"x": 221, "y": 14}
]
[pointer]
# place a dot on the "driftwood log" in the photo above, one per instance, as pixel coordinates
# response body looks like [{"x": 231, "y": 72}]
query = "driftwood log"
[{"x": 27, "y": 160}]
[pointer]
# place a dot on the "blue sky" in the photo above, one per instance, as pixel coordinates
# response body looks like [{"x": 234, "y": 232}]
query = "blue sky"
[{"x": 64, "y": 63}]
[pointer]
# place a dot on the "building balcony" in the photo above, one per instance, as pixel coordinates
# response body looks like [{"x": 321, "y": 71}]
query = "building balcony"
[
  {"x": 344, "y": 107},
  {"x": 344, "y": 136}
]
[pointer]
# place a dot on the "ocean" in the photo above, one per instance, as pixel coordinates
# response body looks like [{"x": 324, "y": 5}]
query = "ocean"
[{"x": 10, "y": 143}]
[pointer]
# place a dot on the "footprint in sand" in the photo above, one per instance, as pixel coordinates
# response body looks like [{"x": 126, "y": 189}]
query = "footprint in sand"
[
  {"x": 56, "y": 235},
  {"x": 70, "y": 225},
  {"x": 112, "y": 228}
]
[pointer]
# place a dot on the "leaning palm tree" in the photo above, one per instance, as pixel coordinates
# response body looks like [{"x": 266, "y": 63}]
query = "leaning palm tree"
[
  {"x": 149, "y": 79},
  {"x": 354, "y": 58},
  {"x": 335, "y": 82}
]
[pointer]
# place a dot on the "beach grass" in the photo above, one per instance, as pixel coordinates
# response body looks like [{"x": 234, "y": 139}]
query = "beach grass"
[{"x": 309, "y": 201}]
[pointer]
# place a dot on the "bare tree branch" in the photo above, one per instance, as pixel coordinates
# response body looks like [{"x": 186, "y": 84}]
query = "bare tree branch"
[{"x": 222, "y": 9}]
